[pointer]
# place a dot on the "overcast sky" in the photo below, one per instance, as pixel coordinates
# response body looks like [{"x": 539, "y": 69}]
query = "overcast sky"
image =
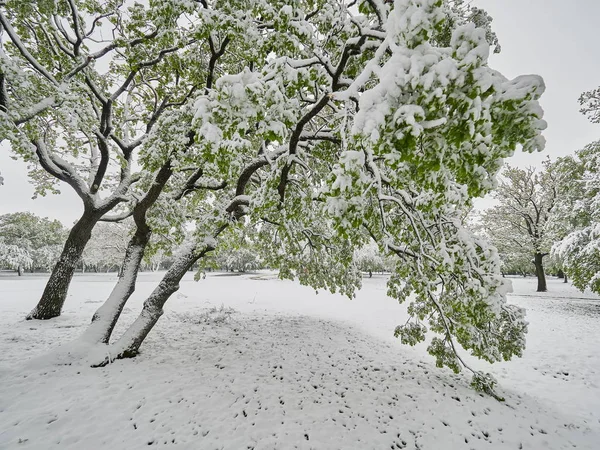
[{"x": 556, "y": 39}]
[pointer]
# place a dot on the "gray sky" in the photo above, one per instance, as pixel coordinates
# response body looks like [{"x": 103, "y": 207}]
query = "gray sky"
[{"x": 552, "y": 38}]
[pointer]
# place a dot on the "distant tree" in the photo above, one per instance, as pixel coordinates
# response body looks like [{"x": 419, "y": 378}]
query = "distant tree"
[
  {"x": 519, "y": 226},
  {"x": 106, "y": 247},
  {"x": 40, "y": 239},
  {"x": 14, "y": 257},
  {"x": 159, "y": 253},
  {"x": 239, "y": 259},
  {"x": 576, "y": 249},
  {"x": 154, "y": 260},
  {"x": 45, "y": 258},
  {"x": 241, "y": 252},
  {"x": 370, "y": 259}
]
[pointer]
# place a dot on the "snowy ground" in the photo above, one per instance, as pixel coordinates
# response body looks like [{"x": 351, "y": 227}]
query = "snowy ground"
[{"x": 285, "y": 368}]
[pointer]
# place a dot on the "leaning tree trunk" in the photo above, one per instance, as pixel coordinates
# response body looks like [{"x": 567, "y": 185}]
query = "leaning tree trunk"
[
  {"x": 55, "y": 293},
  {"x": 128, "y": 345},
  {"x": 539, "y": 271},
  {"x": 105, "y": 318}
]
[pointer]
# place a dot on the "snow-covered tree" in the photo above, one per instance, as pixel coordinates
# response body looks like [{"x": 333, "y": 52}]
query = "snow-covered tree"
[
  {"x": 240, "y": 259},
  {"x": 45, "y": 258},
  {"x": 155, "y": 260},
  {"x": 176, "y": 178},
  {"x": 82, "y": 85},
  {"x": 37, "y": 240},
  {"x": 520, "y": 225},
  {"x": 369, "y": 258},
  {"x": 578, "y": 218},
  {"x": 342, "y": 126},
  {"x": 590, "y": 105},
  {"x": 14, "y": 257},
  {"x": 106, "y": 247},
  {"x": 579, "y": 250}
]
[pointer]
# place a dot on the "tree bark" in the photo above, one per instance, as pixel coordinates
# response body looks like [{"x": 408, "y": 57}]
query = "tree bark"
[
  {"x": 55, "y": 292},
  {"x": 106, "y": 317},
  {"x": 539, "y": 271},
  {"x": 128, "y": 345}
]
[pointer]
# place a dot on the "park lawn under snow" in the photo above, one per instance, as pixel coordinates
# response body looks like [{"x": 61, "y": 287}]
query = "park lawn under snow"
[{"x": 252, "y": 362}]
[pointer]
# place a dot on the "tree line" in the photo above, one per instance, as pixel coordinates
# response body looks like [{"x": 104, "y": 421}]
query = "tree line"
[{"x": 29, "y": 243}]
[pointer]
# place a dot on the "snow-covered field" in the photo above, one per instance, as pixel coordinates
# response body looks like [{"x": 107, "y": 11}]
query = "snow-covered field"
[{"x": 251, "y": 362}]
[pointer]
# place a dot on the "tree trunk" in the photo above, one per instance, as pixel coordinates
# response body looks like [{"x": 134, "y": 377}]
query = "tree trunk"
[
  {"x": 566, "y": 281},
  {"x": 105, "y": 318},
  {"x": 55, "y": 292},
  {"x": 128, "y": 345},
  {"x": 539, "y": 271},
  {"x": 20, "y": 270}
]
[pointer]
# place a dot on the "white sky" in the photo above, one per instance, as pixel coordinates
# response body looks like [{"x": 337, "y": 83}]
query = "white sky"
[{"x": 553, "y": 38}]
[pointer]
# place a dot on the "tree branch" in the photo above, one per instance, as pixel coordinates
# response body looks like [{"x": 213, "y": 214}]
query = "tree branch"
[
  {"x": 24, "y": 52},
  {"x": 61, "y": 170}
]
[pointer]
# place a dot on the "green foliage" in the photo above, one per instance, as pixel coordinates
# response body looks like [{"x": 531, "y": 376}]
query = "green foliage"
[
  {"x": 392, "y": 148},
  {"x": 412, "y": 333},
  {"x": 70, "y": 117},
  {"x": 319, "y": 129},
  {"x": 485, "y": 382}
]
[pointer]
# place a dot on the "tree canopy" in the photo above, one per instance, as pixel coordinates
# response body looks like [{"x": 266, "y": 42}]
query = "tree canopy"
[
  {"x": 343, "y": 127},
  {"x": 325, "y": 125}
]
